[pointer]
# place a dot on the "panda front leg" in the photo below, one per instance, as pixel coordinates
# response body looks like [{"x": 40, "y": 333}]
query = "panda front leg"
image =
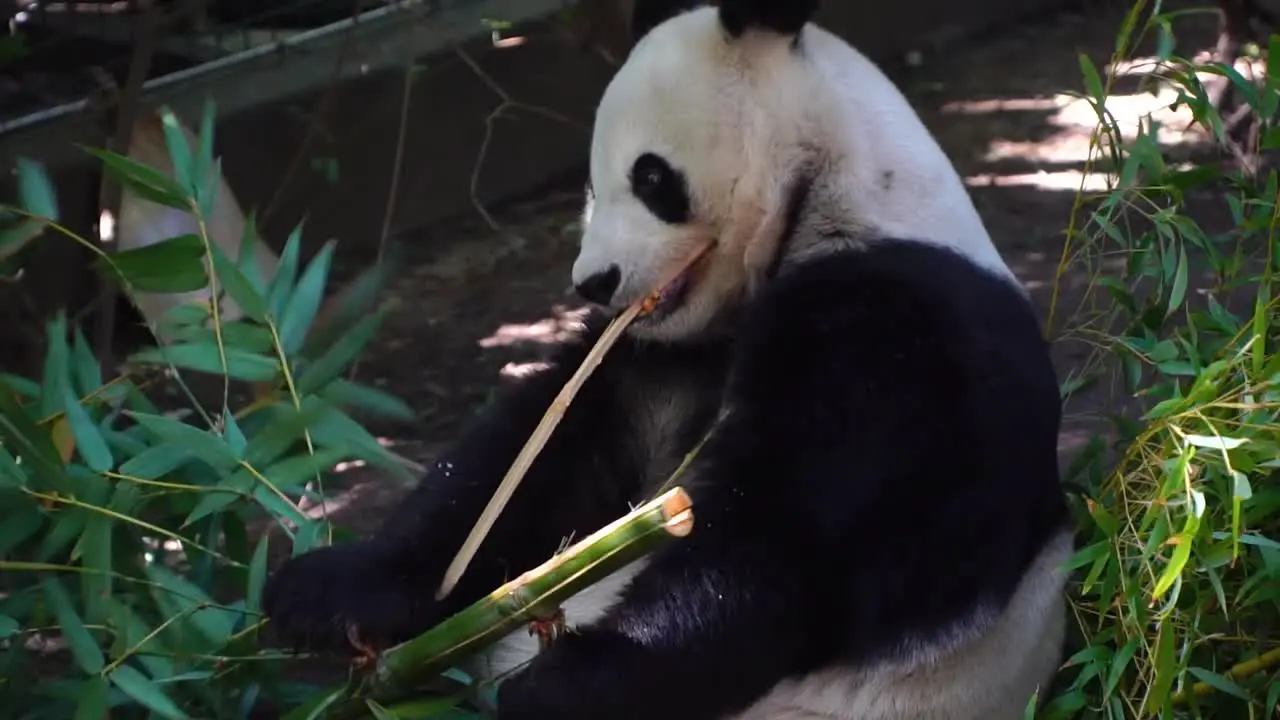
[{"x": 370, "y": 594}]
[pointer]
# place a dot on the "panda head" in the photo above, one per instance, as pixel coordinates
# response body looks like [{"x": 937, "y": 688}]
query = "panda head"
[
  {"x": 744, "y": 124},
  {"x": 691, "y": 143}
]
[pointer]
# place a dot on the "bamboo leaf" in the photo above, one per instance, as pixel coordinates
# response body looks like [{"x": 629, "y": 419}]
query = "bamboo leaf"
[
  {"x": 155, "y": 461},
  {"x": 96, "y": 549},
  {"x": 63, "y": 439},
  {"x": 300, "y": 468},
  {"x": 173, "y": 265},
  {"x": 243, "y": 336},
  {"x": 233, "y": 434},
  {"x": 20, "y": 526},
  {"x": 35, "y": 190},
  {"x": 207, "y": 187},
  {"x": 19, "y": 432},
  {"x": 139, "y": 687},
  {"x": 305, "y": 301},
  {"x": 1166, "y": 670},
  {"x": 237, "y": 487},
  {"x": 93, "y": 448},
  {"x": 257, "y": 576},
  {"x": 15, "y": 237},
  {"x": 339, "y": 355},
  {"x": 88, "y": 373},
  {"x": 285, "y": 429},
  {"x": 1181, "y": 553},
  {"x": 237, "y": 285},
  {"x": 344, "y": 393},
  {"x": 55, "y": 365},
  {"x": 83, "y": 647},
  {"x": 11, "y": 474},
  {"x": 22, "y": 387},
  {"x": 335, "y": 427},
  {"x": 1219, "y": 682},
  {"x": 245, "y": 257},
  {"x": 179, "y": 151},
  {"x": 8, "y": 627},
  {"x": 206, "y": 446},
  {"x": 353, "y": 303},
  {"x": 278, "y": 506},
  {"x": 187, "y": 315},
  {"x": 214, "y": 622},
  {"x": 92, "y": 699},
  {"x": 281, "y": 286},
  {"x": 145, "y": 182},
  {"x": 1179, "y": 290},
  {"x": 204, "y": 357}
]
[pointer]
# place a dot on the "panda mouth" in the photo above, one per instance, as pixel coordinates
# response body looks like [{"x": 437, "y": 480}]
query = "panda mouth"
[
  {"x": 670, "y": 298},
  {"x": 672, "y": 295}
]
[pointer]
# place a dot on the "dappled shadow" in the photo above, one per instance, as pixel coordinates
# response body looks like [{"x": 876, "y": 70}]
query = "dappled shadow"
[{"x": 477, "y": 303}]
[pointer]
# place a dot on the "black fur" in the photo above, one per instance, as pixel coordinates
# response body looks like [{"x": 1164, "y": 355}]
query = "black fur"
[
  {"x": 781, "y": 16},
  {"x": 786, "y": 17},
  {"x": 662, "y": 188},
  {"x": 887, "y": 464}
]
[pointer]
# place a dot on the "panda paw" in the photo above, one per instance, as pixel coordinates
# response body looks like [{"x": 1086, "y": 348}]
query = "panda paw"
[{"x": 347, "y": 599}]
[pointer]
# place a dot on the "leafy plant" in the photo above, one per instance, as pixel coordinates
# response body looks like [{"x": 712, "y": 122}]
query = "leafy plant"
[
  {"x": 134, "y": 543},
  {"x": 1177, "y": 592}
]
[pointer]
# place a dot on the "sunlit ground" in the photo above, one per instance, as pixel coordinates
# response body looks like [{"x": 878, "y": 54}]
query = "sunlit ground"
[{"x": 1075, "y": 117}]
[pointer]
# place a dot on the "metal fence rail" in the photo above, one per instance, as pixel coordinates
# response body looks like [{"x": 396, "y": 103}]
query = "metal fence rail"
[{"x": 247, "y": 66}]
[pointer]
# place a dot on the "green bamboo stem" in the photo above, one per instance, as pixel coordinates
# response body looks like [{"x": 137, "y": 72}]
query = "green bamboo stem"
[
  {"x": 401, "y": 668},
  {"x": 1239, "y": 671}
]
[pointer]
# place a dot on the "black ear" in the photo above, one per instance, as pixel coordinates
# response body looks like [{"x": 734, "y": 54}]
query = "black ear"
[
  {"x": 786, "y": 17},
  {"x": 648, "y": 14}
]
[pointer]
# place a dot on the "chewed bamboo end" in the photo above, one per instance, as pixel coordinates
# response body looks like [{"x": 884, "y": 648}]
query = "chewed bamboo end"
[
  {"x": 650, "y": 301},
  {"x": 677, "y": 513}
]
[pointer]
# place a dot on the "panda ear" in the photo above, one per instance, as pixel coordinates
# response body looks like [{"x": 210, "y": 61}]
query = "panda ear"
[
  {"x": 648, "y": 14},
  {"x": 785, "y": 17}
]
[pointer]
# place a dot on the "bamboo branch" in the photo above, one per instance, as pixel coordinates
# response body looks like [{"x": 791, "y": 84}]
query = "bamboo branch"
[
  {"x": 399, "y": 669},
  {"x": 1239, "y": 671},
  {"x": 553, "y": 416}
]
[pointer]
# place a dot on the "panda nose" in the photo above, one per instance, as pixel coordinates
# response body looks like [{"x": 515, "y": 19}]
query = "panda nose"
[{"x": 599, "y": 288}]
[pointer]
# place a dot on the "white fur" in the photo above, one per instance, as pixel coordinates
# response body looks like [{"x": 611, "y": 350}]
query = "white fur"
[{"x": 740, "y": 118}]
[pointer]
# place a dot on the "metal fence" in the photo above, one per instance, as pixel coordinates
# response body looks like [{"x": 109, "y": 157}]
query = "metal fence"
[{"x": 240, "y": 53}]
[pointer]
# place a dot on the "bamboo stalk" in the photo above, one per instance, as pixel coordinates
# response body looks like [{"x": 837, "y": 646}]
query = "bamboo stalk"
[
  {"x": 398, "y": 670},
  {"x": 550, "y": 419}
]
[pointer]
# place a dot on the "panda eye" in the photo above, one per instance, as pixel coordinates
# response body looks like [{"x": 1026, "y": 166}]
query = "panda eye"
[{"x": 661, "y": 188}]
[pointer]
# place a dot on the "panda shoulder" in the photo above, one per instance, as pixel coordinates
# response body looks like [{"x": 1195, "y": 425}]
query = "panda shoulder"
[{"x": 920, "y": 311}]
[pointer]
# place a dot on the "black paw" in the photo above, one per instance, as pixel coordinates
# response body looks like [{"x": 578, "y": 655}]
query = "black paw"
[{"x": 345, "y": 598}]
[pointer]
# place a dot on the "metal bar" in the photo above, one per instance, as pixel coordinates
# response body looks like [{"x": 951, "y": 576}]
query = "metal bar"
[{"x": 268, "y": 72}]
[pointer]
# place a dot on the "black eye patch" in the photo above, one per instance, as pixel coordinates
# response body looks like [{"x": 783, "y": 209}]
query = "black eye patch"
[{"x": 661, "y": 188}]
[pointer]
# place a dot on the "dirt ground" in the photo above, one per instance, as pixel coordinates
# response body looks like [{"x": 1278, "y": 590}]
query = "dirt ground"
[{"x": 475, "y": 299}]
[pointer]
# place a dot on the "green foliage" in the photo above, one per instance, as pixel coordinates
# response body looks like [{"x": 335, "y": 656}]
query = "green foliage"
[
  {"x": 133, "y": 540},
  {"x": 1176, "y": 592}
]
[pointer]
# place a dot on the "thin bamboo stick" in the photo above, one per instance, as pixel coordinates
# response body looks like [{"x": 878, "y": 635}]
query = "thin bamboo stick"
[{"x": 553, "y": 416}]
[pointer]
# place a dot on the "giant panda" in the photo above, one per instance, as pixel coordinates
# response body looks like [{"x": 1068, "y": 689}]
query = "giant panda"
[{"x": 879, "y": 531}]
